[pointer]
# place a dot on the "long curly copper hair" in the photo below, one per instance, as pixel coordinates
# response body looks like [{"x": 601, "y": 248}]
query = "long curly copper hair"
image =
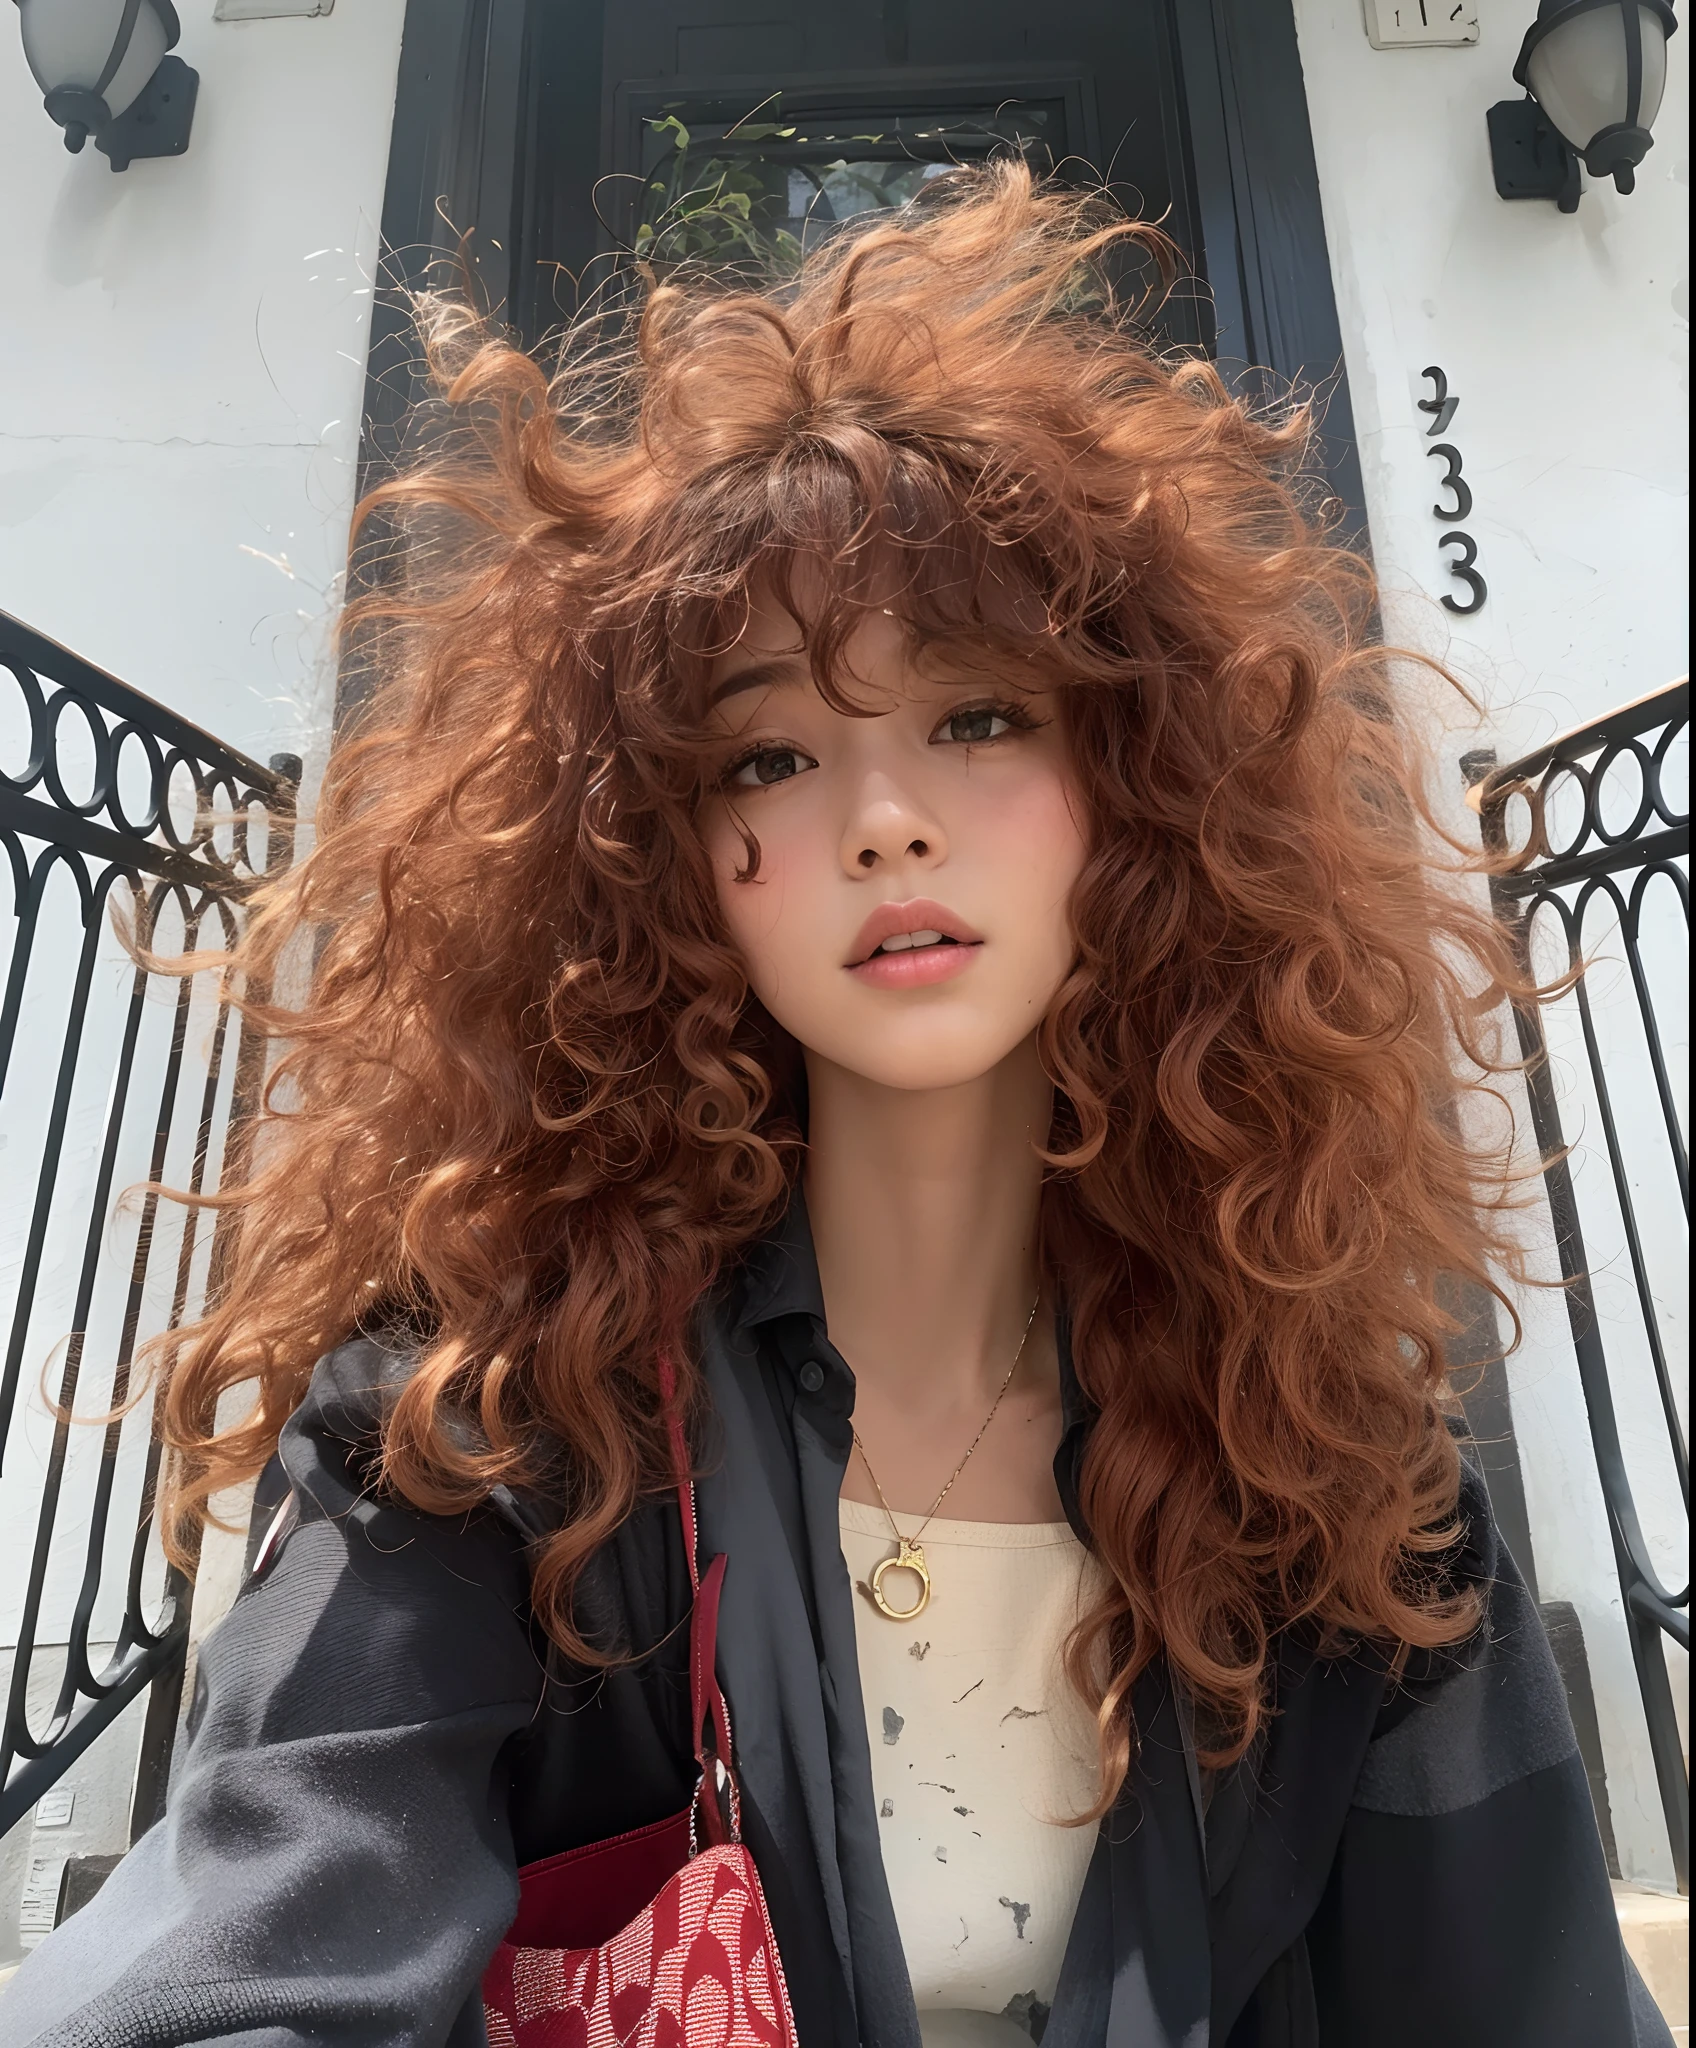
[{"x": 528, "y": 1103}]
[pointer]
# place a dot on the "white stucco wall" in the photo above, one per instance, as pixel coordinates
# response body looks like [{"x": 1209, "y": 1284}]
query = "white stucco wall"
[
  {"x": 1566, "y": 340},
  {"x": 182, "y": 362},
  {"x": 182, "y": 352}
]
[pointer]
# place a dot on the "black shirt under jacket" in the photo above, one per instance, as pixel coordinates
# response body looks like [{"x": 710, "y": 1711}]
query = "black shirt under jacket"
[{"x": 377, "y": 1745}]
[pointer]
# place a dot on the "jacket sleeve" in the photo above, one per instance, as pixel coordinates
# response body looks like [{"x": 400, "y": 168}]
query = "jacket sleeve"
[
  {"x": 335, "y": 1865},
  {"x": 1469, "y": 1903}
]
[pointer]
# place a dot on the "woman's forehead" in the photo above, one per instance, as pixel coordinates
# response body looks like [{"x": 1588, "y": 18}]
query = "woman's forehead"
[
  {"x": 873, "y": 663},
  {"x": 793, "y": 601},
  {"x": 769, "y": 635},
  {"x": 878, "y": 660}
]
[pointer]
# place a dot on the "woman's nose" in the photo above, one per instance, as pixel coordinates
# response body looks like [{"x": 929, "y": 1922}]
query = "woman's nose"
[{"x": 887, "y": 826}]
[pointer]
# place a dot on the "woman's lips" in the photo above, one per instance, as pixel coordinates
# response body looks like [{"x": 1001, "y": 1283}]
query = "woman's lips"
[
  {"x": 919, "y": 918},
  {"x": 919, "y": 967},
  {"x": 946, "y": 946}
]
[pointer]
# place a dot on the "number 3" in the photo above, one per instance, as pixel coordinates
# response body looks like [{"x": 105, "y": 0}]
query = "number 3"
[
  {"x": 1452, "y": 481},
  {"x": 1466, "y": 572}
]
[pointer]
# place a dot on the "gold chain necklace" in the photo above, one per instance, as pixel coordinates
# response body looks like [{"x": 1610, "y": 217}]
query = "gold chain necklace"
[{"x": 909, "y": 1552}]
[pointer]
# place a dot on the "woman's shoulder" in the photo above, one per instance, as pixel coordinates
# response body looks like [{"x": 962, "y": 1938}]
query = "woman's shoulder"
[
  {"x": 342, "y": 1790},
  {"x": 329, "y": 1452},
  {"x": 1417, "y": 1729},
  {"x": 355, "y": 1383},
  {"x": 339, "y": 1552},
  {"x": 1461, "y": 1723}
]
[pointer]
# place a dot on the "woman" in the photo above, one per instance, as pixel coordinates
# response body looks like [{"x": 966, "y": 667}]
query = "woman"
[{"x": 883, "y": 873}]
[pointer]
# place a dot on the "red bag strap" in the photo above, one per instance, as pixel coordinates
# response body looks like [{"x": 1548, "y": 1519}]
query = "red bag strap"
[{"x": 707, "y": 1704}]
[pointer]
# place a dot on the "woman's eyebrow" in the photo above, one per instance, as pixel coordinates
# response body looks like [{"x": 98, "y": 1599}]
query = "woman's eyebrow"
[{"x": 781, "y": 672}]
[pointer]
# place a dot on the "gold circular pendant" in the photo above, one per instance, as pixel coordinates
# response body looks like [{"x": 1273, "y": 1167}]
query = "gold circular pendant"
[{"x": 909, "y": 1558}]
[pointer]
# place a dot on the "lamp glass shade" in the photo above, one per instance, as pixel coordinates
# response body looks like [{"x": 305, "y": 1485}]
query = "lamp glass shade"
[
  {"x": 68, "y": 43},
  {"x": 1577, "y": 73}
]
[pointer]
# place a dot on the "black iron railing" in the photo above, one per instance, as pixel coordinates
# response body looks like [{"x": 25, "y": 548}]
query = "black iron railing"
[
  {"x": 1599, "y": 825},
  {"x": 106, "y": 799},
  {"x": 110, "y": 1076}
]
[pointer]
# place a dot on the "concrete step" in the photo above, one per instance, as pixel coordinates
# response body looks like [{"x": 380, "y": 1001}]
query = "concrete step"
[{"x": 1656, "y": 1930}]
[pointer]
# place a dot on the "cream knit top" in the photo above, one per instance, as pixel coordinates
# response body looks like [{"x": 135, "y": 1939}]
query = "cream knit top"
[{"x": 980, "y": 1748}]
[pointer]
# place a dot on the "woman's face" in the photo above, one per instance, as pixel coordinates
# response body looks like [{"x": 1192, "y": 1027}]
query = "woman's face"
[{"x": 909, "y": 917}]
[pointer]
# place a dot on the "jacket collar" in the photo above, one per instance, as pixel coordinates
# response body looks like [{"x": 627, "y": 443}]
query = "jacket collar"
[
  {"x": 1077, "y": 1419},
  {"x": 780, "y": 1274},
  {"x": 779, "y": 1278}
]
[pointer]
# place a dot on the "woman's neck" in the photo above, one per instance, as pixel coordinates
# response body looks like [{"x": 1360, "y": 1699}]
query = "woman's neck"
[{"x": 924, "y": 1209}]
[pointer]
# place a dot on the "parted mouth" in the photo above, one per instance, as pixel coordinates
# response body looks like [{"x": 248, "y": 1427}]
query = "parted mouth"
[{"x": 910, "y": 927}]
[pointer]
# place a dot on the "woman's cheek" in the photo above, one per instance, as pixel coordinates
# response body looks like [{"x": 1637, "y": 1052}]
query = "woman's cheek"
[
  {"x": 1031, "y": 844},
  {"x": 760, "y": 913}
]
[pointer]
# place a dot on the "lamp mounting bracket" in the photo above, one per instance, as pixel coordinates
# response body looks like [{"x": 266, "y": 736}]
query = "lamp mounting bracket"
[
  {"x": 159, "y": 121},
  {"x": 1529, "y": 159}
]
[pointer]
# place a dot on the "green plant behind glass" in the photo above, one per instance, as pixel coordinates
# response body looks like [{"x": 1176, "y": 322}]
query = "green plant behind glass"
[
  {"x": 711, "y": 203},
  {"x": 722, "y": 209}
]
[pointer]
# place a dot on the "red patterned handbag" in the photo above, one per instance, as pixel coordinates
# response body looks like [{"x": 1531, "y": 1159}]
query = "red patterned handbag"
[{"x": 659, "y": 1938}]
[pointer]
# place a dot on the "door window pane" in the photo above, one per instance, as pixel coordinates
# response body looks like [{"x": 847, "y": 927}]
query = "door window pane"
[{"x": 761, "y": 187}]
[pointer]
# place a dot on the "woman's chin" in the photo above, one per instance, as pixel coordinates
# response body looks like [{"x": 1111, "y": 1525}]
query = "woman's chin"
[{"x": 915, "y": 1062}]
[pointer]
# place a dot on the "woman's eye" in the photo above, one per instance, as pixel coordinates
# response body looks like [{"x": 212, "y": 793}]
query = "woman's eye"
[
  {"x": 769, "y": 765},
  {"x": 977, "y": 723}
]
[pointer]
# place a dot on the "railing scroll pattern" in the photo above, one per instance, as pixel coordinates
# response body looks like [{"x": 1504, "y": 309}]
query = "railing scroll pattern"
[
  {"x": 109, "y": 801},
  {"x": 1597, "y": 827}
]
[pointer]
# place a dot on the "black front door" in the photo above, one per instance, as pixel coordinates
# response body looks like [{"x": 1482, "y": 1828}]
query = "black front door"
[{"x": 558, "y": 133}]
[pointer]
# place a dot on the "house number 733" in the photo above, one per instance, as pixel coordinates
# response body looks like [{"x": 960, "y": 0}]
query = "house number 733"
[{"x": 1459, "y": 549}]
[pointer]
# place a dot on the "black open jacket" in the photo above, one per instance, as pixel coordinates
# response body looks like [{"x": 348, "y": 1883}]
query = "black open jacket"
[{"x": 378, "y": 1743}]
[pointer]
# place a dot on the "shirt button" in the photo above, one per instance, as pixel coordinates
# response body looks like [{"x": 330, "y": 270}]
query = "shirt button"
[{"x": 812, "y": 1376}]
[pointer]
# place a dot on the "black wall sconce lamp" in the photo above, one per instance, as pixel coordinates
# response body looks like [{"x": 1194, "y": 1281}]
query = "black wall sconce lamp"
[
  {"x": 103, "y": 67},
  {"x": 1593, "y": 72}
]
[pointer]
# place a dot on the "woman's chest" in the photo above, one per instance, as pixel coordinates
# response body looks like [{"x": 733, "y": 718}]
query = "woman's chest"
[{"x": 981, "y": 1753}]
